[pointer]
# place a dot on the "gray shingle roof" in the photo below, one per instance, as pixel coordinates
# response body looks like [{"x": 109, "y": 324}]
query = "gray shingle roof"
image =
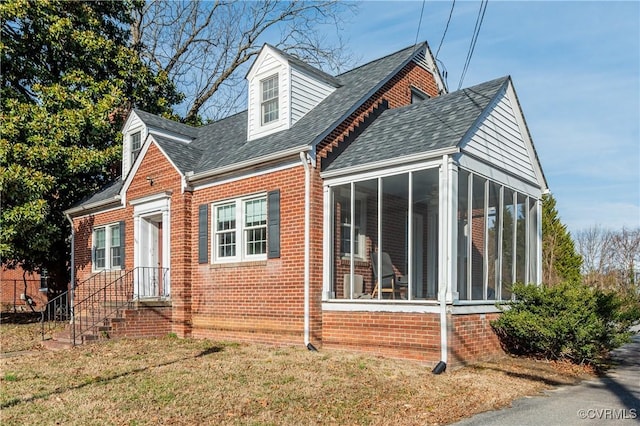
[
  {"x": 432, "y": 124},
  {"x": 165, "y": 124},
  {"x": 225, "y": 142},
  {"x": 321, "y": 75},
  {"x": 183, "y": 155},
  {"x": 107, "y": 192}
]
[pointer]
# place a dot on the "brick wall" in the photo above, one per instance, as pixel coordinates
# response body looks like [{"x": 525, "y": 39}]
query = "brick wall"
[
  {"x": 12, "y": 283},
  {"x": 399, "y": 335},
  {"x": 144, "y": 322},
  {"x": 259, "y": 301},
  {"x": 471, "y": 338}
]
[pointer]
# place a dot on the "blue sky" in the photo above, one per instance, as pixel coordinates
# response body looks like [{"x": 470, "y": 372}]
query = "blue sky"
[{"x": 576, "y": 69}]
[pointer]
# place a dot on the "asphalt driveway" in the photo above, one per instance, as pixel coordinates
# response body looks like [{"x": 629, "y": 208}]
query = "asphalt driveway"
[{"x": 611, "y": 399}]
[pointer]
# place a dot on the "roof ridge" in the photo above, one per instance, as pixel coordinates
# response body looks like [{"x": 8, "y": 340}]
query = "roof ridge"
[{"x": 424, "y": 43}]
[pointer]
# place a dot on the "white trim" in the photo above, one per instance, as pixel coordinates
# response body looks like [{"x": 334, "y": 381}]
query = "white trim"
[
  {"x": 473, "y": 308},
  {"x": 487, "y": 171},
  {"x": 335, "y": 181},
  {"x": 108, "y": 233},
  {"x": 327, "y": 242},
  {"x": 149, "y": 198},
  {"x": 307, "y": 237},
  {"x": 240, "y": 248},
  {"x": 191, "y": 177},
  {"x": 385, "y": 164},
  {"x": 95, "y": 205},
  {"x": 248, "y": 175},
  {"x": 373, "y": 305},
  {"x": 178, "y": 137}
]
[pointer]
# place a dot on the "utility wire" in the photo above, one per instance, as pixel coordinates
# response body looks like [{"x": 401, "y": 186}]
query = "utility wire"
[
  {"x": 446, "y": 28},
  {"x": 419, "y": 22},
  {"x": 474, "y": 39}
]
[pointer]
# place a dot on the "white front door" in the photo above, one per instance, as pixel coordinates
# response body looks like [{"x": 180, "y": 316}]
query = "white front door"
[
  {"x": 151, "y": 247},
  {"x": 147, "y": 274}
]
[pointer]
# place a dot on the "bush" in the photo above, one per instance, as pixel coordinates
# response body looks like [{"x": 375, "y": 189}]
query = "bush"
[{"x": 566, "y": 321}]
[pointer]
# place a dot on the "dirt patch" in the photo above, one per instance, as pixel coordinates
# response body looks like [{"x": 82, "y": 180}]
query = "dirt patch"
[{"x": 175, "y": 381}]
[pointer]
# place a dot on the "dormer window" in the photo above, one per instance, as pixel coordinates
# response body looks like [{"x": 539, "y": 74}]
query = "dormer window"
[
  {"x": 269, "y": 103},
  {"x": 136, "y": 144}
]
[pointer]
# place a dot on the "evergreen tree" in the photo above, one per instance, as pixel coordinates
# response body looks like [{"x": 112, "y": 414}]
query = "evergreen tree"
[
  {"x": 68, "y": 79},
  {"x": 560, "y": 261}
]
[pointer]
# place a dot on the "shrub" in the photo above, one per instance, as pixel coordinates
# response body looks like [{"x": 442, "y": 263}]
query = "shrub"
[{"x": 566, "y": 321}]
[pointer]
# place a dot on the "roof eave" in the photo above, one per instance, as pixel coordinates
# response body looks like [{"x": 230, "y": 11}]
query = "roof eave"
[
  {"x": 97, "y": 205},
  {"x": 385, "y": 164},
  {"x": 194, "y": 177}
]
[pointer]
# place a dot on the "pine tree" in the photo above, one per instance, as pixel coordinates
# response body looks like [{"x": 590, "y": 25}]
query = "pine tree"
[{"x": 560, "y": 261}]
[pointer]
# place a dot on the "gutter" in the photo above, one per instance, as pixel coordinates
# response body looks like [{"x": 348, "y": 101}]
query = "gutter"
[
  {"x": 307, "y": 256},
  {"x": 73, "y": 265},
  {"x": 191, "y": 176},
  {"x": 391, "y": 162},
  {"x": 92, "y": 206}
]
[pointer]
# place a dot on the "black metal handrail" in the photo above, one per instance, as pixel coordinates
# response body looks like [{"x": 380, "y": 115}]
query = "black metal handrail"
[
  {"x": 115, "y": 295},
  {"x": 57, "y": 310}
]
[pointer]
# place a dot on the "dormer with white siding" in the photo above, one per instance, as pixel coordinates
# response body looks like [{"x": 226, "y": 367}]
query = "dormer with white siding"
[
  {"x": 139, "y": 125},
  {"x": 281, "y": 90}
]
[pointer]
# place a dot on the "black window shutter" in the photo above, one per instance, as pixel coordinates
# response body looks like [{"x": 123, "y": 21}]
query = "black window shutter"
[
  {"x": 273, "y": 224},
  {"x": 122, "y": 244},
  {"x": 203, "y": 233}
]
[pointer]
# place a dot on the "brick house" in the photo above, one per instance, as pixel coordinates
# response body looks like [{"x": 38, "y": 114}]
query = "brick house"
[{"x": 254, "y": 227}]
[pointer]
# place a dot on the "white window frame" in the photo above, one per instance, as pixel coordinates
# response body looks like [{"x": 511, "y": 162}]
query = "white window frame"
[
  {"x": 264, "y": 101},
  {"x": 108, "y": 247},
  {"x": 360, "y": 243},
  {"x": 135, "y": 152},
  {"x": 240, "y": 230}
]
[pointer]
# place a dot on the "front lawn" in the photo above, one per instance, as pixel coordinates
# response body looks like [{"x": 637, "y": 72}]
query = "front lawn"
[{"x": 186, "y": 382}]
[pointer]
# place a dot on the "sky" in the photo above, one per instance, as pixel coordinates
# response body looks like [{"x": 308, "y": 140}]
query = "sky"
[{"x": 575, "y": 68}]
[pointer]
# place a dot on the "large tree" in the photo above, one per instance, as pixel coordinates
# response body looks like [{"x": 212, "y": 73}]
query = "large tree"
[
  {"x": 204, "y": 47},
  {"x": 68, "y": 77},
  {"x": 560, "y": 261}
]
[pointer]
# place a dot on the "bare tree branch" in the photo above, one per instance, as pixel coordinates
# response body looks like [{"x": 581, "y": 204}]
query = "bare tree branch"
[{"x": 204, "y": 47}]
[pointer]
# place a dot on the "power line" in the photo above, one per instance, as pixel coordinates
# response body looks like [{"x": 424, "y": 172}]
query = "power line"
[
  {"x": 474, "y": 39},
  {"x": 419, "y": 22},
  {"x": 446, "y": 28}
]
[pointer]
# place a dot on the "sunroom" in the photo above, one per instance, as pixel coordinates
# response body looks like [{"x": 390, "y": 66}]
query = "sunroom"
[{"x": 449, "y": 211}]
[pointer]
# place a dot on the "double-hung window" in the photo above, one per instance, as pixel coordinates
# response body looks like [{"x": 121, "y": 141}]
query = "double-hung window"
[
  {"x": 108, "y": 247},
  {"x": 240, "y": 230},
  {"x": 269, "y": 99},
  {"x": 136, "y": 144}
]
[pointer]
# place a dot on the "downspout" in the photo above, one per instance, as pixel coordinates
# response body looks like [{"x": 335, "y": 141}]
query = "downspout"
[
  {"x": 307, "y": 204},
  {"x": 444, "y": 276},
  {"x": 73, "y": 265}
]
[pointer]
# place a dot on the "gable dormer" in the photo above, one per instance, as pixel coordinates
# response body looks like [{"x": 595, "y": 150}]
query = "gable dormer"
[
  {"x": 134, "y": 133},
  {"x": 141, "y": 124},
  {"x": 281, "y": 90}
]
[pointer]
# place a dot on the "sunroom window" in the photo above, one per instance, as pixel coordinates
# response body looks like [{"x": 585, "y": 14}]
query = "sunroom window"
[
  {"x": 497, "y": 246},
  {"x": 385, "y": 234}
]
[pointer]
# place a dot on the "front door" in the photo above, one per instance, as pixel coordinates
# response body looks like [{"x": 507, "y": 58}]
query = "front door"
[
  {"x": 148, "y": 273},
  {"x": 151, "y": 247}
]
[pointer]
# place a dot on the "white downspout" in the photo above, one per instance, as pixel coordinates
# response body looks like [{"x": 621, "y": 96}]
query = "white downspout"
[
  {"x": 73, "y": 265},
  {"x": 307, "y": 205},
  {"x": 444, "y": 225}
]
